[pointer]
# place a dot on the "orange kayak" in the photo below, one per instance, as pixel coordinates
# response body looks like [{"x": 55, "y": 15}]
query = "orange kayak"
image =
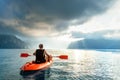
[{"x": 32, "y": 66}]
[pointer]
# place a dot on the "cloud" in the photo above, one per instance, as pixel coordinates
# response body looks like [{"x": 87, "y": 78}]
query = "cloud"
[
  {"x": 8, "y": 29},
  {"x": 109, "y": 34},
  {"x": 106, "y": 25},
  {"x": 34, "y": 16}
]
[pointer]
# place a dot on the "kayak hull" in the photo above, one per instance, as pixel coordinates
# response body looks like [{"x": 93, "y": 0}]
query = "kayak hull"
[{"x": 32, "y": 66}]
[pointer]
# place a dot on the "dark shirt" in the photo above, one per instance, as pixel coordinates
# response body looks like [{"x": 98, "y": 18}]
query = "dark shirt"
[{"x": 40, "y": 56}]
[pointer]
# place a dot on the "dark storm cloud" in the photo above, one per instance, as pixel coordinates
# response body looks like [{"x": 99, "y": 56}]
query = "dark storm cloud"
[
  {"x": 58, "y": 13},
  {"x": 5, "y": 29}
]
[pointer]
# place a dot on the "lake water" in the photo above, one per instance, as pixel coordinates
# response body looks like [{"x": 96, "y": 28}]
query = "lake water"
[{"x": 81, "y": 65}]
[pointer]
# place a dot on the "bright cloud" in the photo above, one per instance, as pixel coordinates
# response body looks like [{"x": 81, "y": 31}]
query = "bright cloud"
[
  {"x": 115, "y": 35},
  {"x": 103, "y": 24}
]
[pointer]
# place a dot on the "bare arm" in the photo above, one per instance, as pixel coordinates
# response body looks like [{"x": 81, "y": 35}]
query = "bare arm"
[
  {"x": 46, "y": 53},
  {"x": 34, "y": 53},
  {"x": 48, "y": 56}
]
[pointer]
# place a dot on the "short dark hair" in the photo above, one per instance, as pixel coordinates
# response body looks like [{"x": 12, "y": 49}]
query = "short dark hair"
[{"x": 40, "y": 45}]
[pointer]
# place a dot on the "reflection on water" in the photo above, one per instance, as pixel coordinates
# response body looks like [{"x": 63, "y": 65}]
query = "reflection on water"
[
  {"x": 35, "y": 75},
  {"x": 81, "y": 65},
  {"x": 85, "y": 65},
  {"x": 93, "y": 65}
]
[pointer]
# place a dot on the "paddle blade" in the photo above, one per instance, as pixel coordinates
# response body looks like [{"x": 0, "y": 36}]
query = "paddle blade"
[
  {"x": 63, "y": 56},
  {"x": 24, "y": 55}
]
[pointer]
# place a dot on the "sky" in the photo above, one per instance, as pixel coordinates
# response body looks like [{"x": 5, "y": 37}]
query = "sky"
[{"x": 57, "y": 23}]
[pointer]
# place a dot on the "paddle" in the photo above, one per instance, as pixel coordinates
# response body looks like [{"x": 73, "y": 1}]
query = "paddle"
[
  {"x": 61, "y": 56},
  {"x": 25, "y": 55}
]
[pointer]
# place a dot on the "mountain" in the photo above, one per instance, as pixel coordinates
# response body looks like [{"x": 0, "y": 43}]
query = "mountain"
[
  {"x": 11, "y": 42},
  {"x": 95, "y": 44}
]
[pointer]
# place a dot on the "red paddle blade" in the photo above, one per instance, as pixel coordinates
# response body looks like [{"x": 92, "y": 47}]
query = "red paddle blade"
[
  {"x": 63, "y": 56},
  {"x": 24, "y": 55}
]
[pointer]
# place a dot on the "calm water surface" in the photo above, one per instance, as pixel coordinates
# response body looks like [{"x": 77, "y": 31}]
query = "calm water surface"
[{"x": 81, "y": 65}]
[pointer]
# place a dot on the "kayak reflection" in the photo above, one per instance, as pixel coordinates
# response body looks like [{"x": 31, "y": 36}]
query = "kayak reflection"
[{"x": 35, "y": 75}]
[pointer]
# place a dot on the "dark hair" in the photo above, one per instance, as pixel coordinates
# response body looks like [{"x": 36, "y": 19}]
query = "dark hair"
[{"x": 40, "y": 45}]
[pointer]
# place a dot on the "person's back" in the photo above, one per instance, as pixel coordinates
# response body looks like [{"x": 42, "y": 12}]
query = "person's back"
[
  {"x": 40, "y": 54},
  {"x": 40, "y": 57}
]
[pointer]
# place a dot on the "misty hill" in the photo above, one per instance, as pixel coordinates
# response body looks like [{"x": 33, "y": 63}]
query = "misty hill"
[
  {"x": 11, "y": 42},
  {"x": 95, "y": 44}
]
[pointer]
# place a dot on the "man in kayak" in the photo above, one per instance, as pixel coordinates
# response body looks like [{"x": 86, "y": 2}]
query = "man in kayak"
[{"x": 40, "y": 54}]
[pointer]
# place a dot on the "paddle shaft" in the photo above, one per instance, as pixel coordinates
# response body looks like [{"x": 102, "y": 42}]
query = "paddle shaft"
[{"x": 61, "y": 56}]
